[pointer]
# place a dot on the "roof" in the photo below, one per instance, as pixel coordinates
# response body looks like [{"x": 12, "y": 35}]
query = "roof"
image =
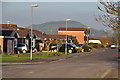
[
  {"x": 8, "y": 26},
  {"x": 38, "y": 33},
  {"x": 57, "y": 36},
  {"x": 22, "y": 32},
  {"x": 73, "y": 28},
  {"x": 5, "y": 32},
  {"x": 25, "y": 32}
]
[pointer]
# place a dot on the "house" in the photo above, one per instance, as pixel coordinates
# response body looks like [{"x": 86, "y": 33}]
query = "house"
[
  {"x": 24, "y": 36},
  {"x": 6, "y": 40},
  {"x": 11, "y": 35},
  {"x": 59, "y": 37},
  {"x": 81, "y": 33}
]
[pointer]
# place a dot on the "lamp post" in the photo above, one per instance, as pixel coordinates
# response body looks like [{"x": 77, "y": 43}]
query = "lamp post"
[
  {"x": 118, "y": 24},
  {"x": 66, "y": 35},
  {"x": 32, "y": 6}
]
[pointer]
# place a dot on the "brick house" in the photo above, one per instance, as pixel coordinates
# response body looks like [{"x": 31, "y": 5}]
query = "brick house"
[
  {"x": 24, "y": 36},
  {"x": 60, "y": 38},
  {"x": 11, "y": 35},
  {"x": 81, "y": 33},
  {"x": 6, "y": 42}
]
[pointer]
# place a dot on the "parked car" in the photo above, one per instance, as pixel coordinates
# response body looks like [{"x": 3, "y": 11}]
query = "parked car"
[
  {"x": 119, "y": 49},
  {"x": 70, "y": 47},
  {"x": 80, "y": 45},
  {"x": 34, "y": 50},
  {"x": 112, "y": 46},
  {"x": 53, "y": 47},
  {"x": 22, "y": 47}
]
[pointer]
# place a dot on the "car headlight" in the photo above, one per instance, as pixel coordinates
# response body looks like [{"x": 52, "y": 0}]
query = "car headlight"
[{"x": 71, "y": 48}]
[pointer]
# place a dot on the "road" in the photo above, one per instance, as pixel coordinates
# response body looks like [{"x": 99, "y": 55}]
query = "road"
[{"x": 100, "y": 64}]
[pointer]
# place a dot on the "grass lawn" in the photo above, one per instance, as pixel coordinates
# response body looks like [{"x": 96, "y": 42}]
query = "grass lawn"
[
  {"x": 14, "y": 59},
  {"x": 26, "y": 56}
]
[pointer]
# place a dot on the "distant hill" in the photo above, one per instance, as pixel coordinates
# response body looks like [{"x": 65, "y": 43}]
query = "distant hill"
[
  {"x": 96, "y": 33},
  {"x": 52, "y": 27}
]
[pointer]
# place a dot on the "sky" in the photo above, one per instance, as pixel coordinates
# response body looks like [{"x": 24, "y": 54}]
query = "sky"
[
  {"x": 56, "y": 0},
  {"x": 20, "y": 13}
]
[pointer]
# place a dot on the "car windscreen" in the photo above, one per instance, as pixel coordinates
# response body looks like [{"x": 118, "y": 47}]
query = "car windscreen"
[
  {"x": 53, "y": 44},
  {"x": 74, "y": 45},
  {"x": 68, "y": 45},
  {"x": 20, "y": 45}
]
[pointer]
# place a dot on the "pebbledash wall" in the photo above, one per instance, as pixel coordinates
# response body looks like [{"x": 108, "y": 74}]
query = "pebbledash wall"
[{"x": 80, "y": 35}]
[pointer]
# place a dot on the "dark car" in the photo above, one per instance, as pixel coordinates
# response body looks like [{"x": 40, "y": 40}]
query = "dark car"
[
  {"x": 53, "y": 47},
  {"x": 119, "y": 49},
  {"x": 70, "y": 48},
  {"x": 34, "y": 50}
]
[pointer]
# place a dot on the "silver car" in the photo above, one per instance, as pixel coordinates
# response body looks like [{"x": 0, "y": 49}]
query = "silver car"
[
  {"x": 112, "y": 46},
  {"x": 22, "y": 47}
]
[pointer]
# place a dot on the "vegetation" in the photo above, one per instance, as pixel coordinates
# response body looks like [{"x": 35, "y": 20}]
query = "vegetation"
[
  {"x": 87, "y": 48},
  {"x": 80, "y": 50},
  {"x": 95, "y": 45},
  {"x": 15, "y": 59},
  {"x": 26, "y": 56},
  {"x": 110, "y": 17}
]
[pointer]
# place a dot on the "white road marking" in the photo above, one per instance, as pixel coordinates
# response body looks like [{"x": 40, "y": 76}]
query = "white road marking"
[
  {"x": 30, "y": 72},
  {"x": 57, "y": 60},
  {"x": 106, "y": 73}
]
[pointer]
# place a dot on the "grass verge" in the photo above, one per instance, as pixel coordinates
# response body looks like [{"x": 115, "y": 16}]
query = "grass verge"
[{"x": 26, "y": 56}]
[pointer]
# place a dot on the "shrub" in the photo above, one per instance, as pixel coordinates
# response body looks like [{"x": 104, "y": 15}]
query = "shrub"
[
  {"x": 95, "y": 45},
  {"x": 86, "y": 48},
  {"x": 80, "y": 49}
]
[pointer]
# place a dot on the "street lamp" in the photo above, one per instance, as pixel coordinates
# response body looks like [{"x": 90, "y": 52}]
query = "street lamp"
[
  {"x": 66, "y": 35},
  {"x": 32, "y": 6}
]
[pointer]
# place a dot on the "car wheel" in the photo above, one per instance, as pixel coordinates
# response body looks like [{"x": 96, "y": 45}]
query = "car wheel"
[
  {"x": 35, "y": 50},
  {"x": 55, "y": 50},
  {"x": 24, "y": 51},
  {"x": 70, "y": 51}
]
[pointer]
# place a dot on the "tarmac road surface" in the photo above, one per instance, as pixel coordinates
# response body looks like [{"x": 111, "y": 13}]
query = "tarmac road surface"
[{"x": 100, "y": 64}]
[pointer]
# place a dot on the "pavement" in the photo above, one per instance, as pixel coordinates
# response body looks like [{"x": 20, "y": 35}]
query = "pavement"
[{"x": 101, "y": 63}]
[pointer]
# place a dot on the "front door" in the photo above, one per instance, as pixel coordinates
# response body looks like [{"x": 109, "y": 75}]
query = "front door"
[{"x": 9, "y": 46}]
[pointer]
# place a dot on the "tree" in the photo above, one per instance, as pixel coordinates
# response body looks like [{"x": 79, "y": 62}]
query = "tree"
[{"x": 111, "y": 16}]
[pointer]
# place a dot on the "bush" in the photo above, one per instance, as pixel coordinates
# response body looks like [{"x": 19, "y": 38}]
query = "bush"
[
  {"x": 95, "y": 45},
  {"x": 87, "y": 48},
  {"x": 80, "y": 49}
]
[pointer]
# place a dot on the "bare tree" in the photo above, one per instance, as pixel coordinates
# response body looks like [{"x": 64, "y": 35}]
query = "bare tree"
[{"x": 111, "y": 16}]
